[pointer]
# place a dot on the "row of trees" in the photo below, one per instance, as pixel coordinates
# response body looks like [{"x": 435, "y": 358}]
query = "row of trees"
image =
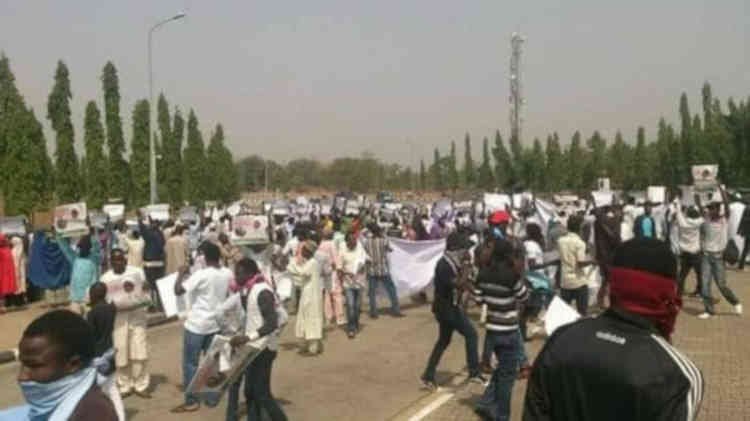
[
  {"x": 718, "y": 137},
  {"x": 31, "y": 180}
]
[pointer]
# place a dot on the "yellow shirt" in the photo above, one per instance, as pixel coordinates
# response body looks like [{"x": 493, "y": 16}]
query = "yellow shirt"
[{"x": 572, "y": 251}]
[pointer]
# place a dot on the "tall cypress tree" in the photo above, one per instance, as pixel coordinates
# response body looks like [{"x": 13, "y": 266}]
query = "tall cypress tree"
[
  {"x": 10, "y": 101},
  {"x": 165, "y": 163},
  {"x": 452, "y": 170},
  {"x": 555, "y": 164},
  {"x": 536, "y": 177},
  {"x": 485, "y": 180},
  {"x": 222, "y": 185},
  {"x": 118, "y": 178},
  {"x": 619, "y": 163},
  {"x": 175, "y": 187},
  {"x": 139, "y": 154},
  {"x": 470, "y": 173},
  {"x": 641, "y": 166},
  {"x": 95, "y": 166},
  {"x": 437, "y": 172},
  {"x": 422, "y": 176},
  {"x": 574, "y": 158},
  {"x": 68, "y": 180},
  {"x": 194, "y": 162},
  {"x": 503, "y": 170},
  {"x": 686, "y": 137}
]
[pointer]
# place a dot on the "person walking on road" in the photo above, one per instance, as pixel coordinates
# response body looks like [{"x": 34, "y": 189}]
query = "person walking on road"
[
  {"x": 378, "y": 272},
  {"x": 449, "y": 313}
]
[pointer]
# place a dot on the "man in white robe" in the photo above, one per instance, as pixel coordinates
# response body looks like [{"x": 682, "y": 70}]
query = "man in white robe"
[{"x": 306, "y": 273}]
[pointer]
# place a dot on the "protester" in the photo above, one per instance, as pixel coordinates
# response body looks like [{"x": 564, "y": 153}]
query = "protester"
[
  {"x": 539, "y": 285},
  {"x": 449, "y": 314},
  {"x": 176, "y": 250},
  {"x": 502, "y": 288},
  {"x": 306, "y": 273},
  {"x": 153, "y": 257},
  {"x": 48, "y": 269},
  {"x": 257, "y": 301},
  {"x": 351, "y": 271},
  {"x": 84, "y": 268},
  {"x": 744, "y": 231},
  {"x": 129, "y": 292},
  {"x": 135, "y": 249},
  {"x": 689, "y": 238},
  {"x": 102, "y": 320},
  {"x": 19, "y": 264},
  {"x": 714, "y": 241},
  {"x": 230, "y": 254},
  {"x": 7, "y": 272},
  {"x": 645, "y": 226},
  {"x": 333, "y": 291},
  {"x": 56, "y": 377},
  {"x": 620, "y": 365},
  {"x": 573, "y": 259},
  {"x": 606, "y": 240},
  {"x": 207, "y": 288},
  {"x": 377, "y": 250}
]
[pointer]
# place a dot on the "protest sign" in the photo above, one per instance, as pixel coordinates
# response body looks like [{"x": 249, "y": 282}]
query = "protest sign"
[
  {"x": 188, "y": 214},
  {"x": 116, "y": 212},
  {"x": 173, "y": 305},
  {"x": 250, "y": 229},
  {"x": 13, "y": 225},
  {"x": 603, "y": 184},
  {"x": 98, "y": 219},
  {"x": 656, "y": 194},
  {"x": 559, "y": 313},
  {"x": 602, "y": 198},
  {"x": 705, "y": 177},
  {"x": 158, "y": 212},
  {"x": 211, "y": 382},
  {"x": 413, "y": 263},
  {"x": 687, "y": 195},
  {"x": 70, "y": 219},
  {"x": 495, "y": 201}
]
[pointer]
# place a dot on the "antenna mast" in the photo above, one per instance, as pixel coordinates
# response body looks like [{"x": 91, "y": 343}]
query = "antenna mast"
[{"x": 516, "y": 95}]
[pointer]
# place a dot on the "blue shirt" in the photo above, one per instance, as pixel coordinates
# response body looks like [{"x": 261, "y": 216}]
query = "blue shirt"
[
  {"x": 647, "y": 227},
  {"x": 84, "y": 270}
]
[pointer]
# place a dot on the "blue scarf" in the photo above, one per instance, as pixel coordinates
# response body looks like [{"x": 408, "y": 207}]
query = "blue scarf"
[{"x": 56, "y": 401}]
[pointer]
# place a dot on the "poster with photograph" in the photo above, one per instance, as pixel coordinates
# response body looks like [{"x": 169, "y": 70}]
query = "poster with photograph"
[
  {"x": 250, "y": 229},
  {"x": 13, "y": 225},
  {"x": 116, "y": 212},
  {"x": 70, "y": 220},
  {"x": 705, "y": 177},
  {"x": 221, "y": 366}
]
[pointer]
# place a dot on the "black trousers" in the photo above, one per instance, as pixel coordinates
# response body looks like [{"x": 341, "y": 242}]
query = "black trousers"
[
  {"x": 450, "y": 320},
  {"x": 258, "y": 388},
  {"x": 745, "y": 250},
  {"x": 152, "y": 275},
  {"x": 689, "y": 261}
]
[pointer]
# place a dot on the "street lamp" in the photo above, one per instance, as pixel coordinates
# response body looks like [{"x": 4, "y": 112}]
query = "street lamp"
[{"x": 152, "y": 107}]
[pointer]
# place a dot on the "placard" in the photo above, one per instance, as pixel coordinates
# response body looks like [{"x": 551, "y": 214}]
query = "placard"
[
  {"x": 495, "y": 201},
  {"x": 70, "y": 219},
  {"x": 603, "y": 184},
  {"x": 705, "y": 176},
  {"x": 602, "y": 198},
  {"x": 210, "y": 383},
  {"x": 559, "y": 313},
  {"x": 173, "y": 305},
  {"x": 13, "y": 225},
  {"x": 250, "y": 229},
  {"x": 98, "y": 219},
  {"x": 116, "y": 212},
  {"x": 158, "y": 212},
  {"x": 188, "y": 214},
  {"x": 687, "y": 196},
  {"x": 656, "y": 194}
]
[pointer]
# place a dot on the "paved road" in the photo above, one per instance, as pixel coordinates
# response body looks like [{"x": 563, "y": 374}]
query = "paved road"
[{"x": 374, "y": 377}]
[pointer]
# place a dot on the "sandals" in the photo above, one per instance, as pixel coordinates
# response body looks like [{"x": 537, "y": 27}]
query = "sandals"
[{"x": 185, "y": 408}]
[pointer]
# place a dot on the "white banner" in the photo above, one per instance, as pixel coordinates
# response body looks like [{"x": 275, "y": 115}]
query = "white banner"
[
  {"x": 173, "y": 305},
  {"x": 413, "y": 263}
]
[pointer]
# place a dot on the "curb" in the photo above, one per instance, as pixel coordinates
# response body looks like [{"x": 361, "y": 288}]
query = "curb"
[{"x": 8, "y": 356}]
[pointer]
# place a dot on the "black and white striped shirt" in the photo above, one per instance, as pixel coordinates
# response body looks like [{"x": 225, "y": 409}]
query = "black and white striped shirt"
[{"x": 502, "y": 290}]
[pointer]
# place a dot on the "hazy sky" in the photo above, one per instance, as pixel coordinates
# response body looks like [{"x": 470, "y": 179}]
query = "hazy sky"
[{"x": 325, "y": 78}]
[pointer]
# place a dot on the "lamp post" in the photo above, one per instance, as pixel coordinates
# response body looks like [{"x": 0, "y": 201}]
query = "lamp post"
[{"x": 152, "y": 108}]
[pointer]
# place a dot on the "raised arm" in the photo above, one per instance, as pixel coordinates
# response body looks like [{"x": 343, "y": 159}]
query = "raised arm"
[{"x": 67, "y": 251}]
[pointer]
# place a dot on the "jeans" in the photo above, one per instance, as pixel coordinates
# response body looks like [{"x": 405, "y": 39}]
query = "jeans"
[
  {"x": 449, "y": 320},
  {"x": 390, "y": 289},
  {"x": 581, "y": 297},
  {"x": 713, "y": 267},
  {"x": 258, "y": 396},
  {"x": 489, "y": 346},
  {"x": 689, "y": 261},
  {"x": 497, "y": 396},
  {"x": 192, "y": 346},
  {"x": 353, "y": 308}
]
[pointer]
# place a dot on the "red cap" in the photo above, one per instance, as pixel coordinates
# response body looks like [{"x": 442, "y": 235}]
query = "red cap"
[{"x": 499, "y": 217}]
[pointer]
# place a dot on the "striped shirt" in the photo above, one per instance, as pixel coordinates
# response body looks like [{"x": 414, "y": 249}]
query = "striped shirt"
[
  {"x": 377, "y": 250},
  {"x": 502, "y": 290}
]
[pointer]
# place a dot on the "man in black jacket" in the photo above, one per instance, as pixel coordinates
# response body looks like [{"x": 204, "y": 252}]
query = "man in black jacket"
[
  {"x": 449, "y": 314},
  {"x": 621, "y": 365}
]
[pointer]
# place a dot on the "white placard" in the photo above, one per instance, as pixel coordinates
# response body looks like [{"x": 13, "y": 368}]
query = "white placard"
[
  {"x": 705, "y": 174},
  {"x": 158, "y": 212},
  {"x": 13, "y": 225},
  {"x": 70, "y": 219},
  {"x": 116, "y": 212},
  {"x": 495, "y": 201},
  {"x": 173, "y": 305},
  {"x": 250, "y": 229},
  {"x": 687, "y": 197},
  {"x": 656, "y": 194},
  {"x": 602, "y": 198},
  {"x": 559, "y": 313},
  {"x": 603, "y": 184}
]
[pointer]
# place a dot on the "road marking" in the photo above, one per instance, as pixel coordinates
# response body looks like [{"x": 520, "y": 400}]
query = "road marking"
[{"x": 427, "y": 410}]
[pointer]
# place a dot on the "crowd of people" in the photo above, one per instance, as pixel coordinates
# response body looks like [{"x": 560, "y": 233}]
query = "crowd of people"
[{"x": 629, "y": 262}]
